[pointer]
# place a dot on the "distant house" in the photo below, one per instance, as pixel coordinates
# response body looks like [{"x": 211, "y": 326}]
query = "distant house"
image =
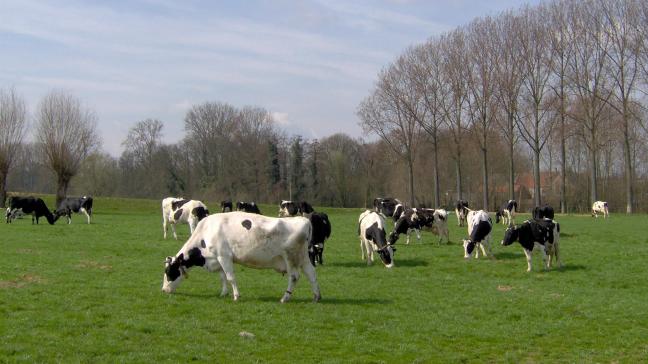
[{"x": 524, "y": 188}]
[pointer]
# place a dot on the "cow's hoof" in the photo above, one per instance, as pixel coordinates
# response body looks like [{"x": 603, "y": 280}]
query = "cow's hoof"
[
  {"x": 317, "y": 298},
  {"x": 236, "y": 298}
]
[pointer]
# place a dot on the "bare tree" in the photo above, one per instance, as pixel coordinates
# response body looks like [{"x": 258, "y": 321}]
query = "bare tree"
[
  {"x": 13, "y": 124},
  {"x": 508, "y": 81},
  {"x": 453, "y": 51},
  {"x": 482, "y": 105},
  {"x": 426, "y": 74},
  {"x": 66, "y": 132},
  {"x": 144, "y": 139},
  {"x": 622, "y": 27},
  {"x": 386, "y": 114},
  {"x": 589, "y": 80},
  {"x": 561, "y": 51},
  {"x": 535, "y": 114}
]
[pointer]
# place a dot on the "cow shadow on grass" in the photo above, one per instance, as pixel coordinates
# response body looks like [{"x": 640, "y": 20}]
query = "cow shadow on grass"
[
  {"x": 363, "y": 263},
  {"x": 509, "y": 256},
  {"x": 334, "y": 301}
]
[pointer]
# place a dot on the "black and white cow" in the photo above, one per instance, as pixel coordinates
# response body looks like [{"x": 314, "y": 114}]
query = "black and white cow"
[
  {"x": 386, "y": 205},
  {"x": 600, "y": 207},
  {"x": 480, "y": 226},
  {"x": 544, "y": 212},
  {"x": 250, "y": 207},
  {"x": 461, "y": 210},
  {"x": 437, "y": 223},
  {"x": 371, "y": 230},
  {"x": 291, "y": 208},
  {"x": 542, "y": 234},
  {"x": 248, "y": 239},
  {"x": 226, "y": 205},
  {"x": 28, "y": 206},
  {"x": 506, "y": 213},
  {"x": 178, "y": 210},
  {"x": 74, "y": 204},
  {"x": 321, "y": 232}
]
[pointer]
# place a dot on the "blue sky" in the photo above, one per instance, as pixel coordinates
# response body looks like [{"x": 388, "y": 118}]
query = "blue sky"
[{"x": 309, "y": 62}]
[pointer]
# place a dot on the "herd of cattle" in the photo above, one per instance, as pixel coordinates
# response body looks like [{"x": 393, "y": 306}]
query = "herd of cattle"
[{"x": 294, "y": 241}]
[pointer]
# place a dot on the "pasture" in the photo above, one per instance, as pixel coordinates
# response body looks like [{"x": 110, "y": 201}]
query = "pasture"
[{"x": 92, "y": 293}]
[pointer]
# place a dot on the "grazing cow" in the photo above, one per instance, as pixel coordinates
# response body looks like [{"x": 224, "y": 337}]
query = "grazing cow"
[
  {"x": 437, "y": 223},
  {"x": 385, "y": 206},
  {"x": 600, "y": 207},
  {"x": 176, "y": 210},
  {"x": 74, "y": 204},
  {"x": 480, "y": 226},
  {"x": 542, "y": 234},
  {"x": 226, "y": 205},
  {"x": 506, "y": 213},
  {"x": 371, "y": 229},
  {"x": 461, "y": 210},
  {"x": 249, "y": 239},
  {"x": 250, "y": 207},
  {"x": 290, "y": 208},
  {"x": 28, "y": 205},
  {"x": 321, "y": 232},
  {"x": 544, "y": 212}
]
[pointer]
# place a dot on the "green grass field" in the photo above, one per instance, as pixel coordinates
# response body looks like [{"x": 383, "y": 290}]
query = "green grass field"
[{"x": 92, "y": 293}]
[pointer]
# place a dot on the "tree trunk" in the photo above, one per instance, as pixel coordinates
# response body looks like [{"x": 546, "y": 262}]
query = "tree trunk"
[
  {"x": 437, "y": 188},
  {"x": 3, "y": 189},
  {"x": 536, "y": 178},
  {"x": 61, "y": 191},
  {"x": 485, "y": 176},
  {"x": 410, "y": 167},
  {"x": 593, "y": 177},
  {"x": 628, "y": 166},
  {"x": 563, "y": 167},
  {"x": 458, "y": 170},
  {"x": 511, "y": 171}
]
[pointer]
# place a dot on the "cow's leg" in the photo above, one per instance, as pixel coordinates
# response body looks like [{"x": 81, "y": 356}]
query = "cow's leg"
[
  {"x": 164, "y": 225},
  {"x": 556, "y": 252},
  {"x": 545, "y": 260},
  {"x": 223, "y": 278},
  {"x": 86, "y": 213},
  {"x": 418, "y": 234},
  {"x": 527, "y": 253},
  {"x": 293, "y": 277},
  {"x": 309, "y": 271},
  {"x": 192, "y": 226},
  {"x": 362, "y": 249},
  {"x": 69, "y": 217},
  {"x": 228, "y": 267},
  {"x": 409, "y": 231},
  {"x": 173, "y": 228}
]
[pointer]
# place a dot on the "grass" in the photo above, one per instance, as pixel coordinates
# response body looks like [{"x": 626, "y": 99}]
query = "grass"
[{"x": 92, "y": 293}]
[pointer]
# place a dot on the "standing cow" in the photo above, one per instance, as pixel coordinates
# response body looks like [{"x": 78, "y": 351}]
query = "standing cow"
[
  {"x": 76, "y": 205},
  {"x": 506, "y": 213},
  {"x": 371, "y": 230},
  {"x": 226, "y": 205},
  {"x": 461, "y": 210},
  {"x": 178, "y": 210},
  {"x": 250, "y": 207},
  {"x": 544, "y": 212},
  {"x": 291, "y": 208},
  {"x": 386, "y": 205},
  {"x": 600, "y": 207},
  {"x": 541, "y": 234},
  {"x": 480, "y": 226},
  {"x": 252, "y": 240},
  {"x": 28, "y": 206},
  {"x": 321, "y": 232}
]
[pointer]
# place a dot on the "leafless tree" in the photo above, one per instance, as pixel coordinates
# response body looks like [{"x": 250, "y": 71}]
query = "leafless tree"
[
  {"x": 589, "y": 81},
  {"x": 144, "y": 139},
  {"x": 508, "y": 81},
  {"x": 454, "y": 54},
  {"x": 482, "y": 104},
  {"x": 621, "y": 24},
  {"x": 66, "y": 133},
  {"x": 386, "y": 114},
  {"x": 535, "y": 115},
  {"x": 13, "y": 124}
]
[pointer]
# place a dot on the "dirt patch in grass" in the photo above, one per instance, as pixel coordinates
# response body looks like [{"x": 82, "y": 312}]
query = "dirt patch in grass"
[
  {"x": 91, "y": 264},
  {"x": 21, "y": 281},
  {"x": 503, "y": 288}
]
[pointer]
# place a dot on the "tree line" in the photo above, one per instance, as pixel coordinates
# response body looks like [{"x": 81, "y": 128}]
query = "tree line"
[
  {"x": 566, "y": 79},
  {"x": 556, "y": 92}
]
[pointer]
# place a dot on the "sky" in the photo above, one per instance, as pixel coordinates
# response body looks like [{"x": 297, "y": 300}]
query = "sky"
[{"x": 310, "y": 63}]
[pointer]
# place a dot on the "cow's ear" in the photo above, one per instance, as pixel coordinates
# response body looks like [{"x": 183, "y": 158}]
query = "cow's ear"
[{"x": 168, "y": 260}]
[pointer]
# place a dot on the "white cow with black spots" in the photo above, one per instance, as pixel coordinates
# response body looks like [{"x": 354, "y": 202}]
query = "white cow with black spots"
[
  {"x": 600, "y": 207},
  {"x": 248, "y": 239},
  {"x": 178, "y": 210},
  {"x": 539, "y": 234},
  {"x": 480, "y": 226}
]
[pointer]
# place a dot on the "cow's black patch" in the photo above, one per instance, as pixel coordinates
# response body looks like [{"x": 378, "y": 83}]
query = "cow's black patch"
[
  {"x": 177, "y": 214},
  {"x": 202, "y": 244},
  {"x": 247, "y": 224},
  {"x": 195, "y": 258},
  {"x": 470, "y": 247},
  {"x": 177, "y": 204},
  {"x": 531, "y": 232},
  {"x": 200, "y": 212}
]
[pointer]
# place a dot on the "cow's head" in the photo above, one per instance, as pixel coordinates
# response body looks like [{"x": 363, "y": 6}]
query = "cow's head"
[
  {"x": 174, "y": 272},
  {"x": 469, "y": 247},
  {"x": 378, "y": 238},
  {"x": 287, "y": 208},
  {"x": 511, "y": 235},
  {"x": 200, "y": 212}
]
